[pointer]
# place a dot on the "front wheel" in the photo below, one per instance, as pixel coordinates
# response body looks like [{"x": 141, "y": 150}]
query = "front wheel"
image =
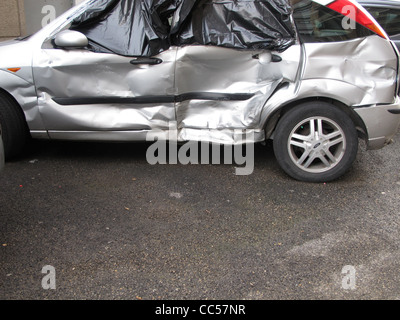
[
  {"x": 315, "y": 142},
  {"x": 14, "y": 127}
]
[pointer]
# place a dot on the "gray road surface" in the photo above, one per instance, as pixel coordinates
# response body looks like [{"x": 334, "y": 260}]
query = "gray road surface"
[{"x": 115, "y": 227}]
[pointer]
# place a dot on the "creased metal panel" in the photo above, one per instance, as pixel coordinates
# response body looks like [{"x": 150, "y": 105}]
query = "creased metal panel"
[
  {"x": 368, "y": 64},
  {"x": 83, "y": 74},
  {"x": 106, "y": 117},
  {"x": 214, "y": 69}
]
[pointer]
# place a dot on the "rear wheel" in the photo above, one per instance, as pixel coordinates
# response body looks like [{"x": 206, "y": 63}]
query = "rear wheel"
[
  {"x": 315, "y": 142},
  {"x": 14, "y": 127}
]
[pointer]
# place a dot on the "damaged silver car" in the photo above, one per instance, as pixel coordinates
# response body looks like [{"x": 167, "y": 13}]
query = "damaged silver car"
[{"x": 313, "y": 75}]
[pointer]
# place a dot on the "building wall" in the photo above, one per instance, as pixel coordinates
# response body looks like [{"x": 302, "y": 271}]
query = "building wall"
[
  {"x": 23, "y": 17},
  {"x": 12, "y": 19}
]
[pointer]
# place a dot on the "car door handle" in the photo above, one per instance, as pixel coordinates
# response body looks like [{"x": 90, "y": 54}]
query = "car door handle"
[
  {"x": 276, "y": 58},
  {"x": 151, "y": 61},
  {"x": 267, "y": 57}
]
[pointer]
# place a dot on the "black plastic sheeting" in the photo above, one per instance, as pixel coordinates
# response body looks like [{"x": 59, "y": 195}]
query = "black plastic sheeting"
[{"x": 147, "y": 27}]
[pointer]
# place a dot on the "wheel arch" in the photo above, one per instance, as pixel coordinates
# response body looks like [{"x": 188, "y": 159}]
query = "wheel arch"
[
  {"x": 11, "y": 98},
  {"x": 273, "y": 118}
]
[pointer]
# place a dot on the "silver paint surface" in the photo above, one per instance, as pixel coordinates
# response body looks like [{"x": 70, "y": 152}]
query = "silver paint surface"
[
  {"x": 354, "y": 73},
  {"x": 356, "y": 70},
  {"x": 213, "y": 69},
  {"x": 380, "y": 123},
  {"x": 81, "y": 73}
]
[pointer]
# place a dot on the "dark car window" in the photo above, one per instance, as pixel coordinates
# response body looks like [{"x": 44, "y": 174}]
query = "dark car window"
[
  {"x": 317, "y": 23},
  {"x": 388, "y": 18}
]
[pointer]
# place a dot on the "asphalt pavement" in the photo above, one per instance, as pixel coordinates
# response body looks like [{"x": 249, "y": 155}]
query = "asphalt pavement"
[{"x": 112, "y": 226}]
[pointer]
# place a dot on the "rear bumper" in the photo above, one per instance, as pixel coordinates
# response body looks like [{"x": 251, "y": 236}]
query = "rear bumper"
[{"x": 381, "y": 123}]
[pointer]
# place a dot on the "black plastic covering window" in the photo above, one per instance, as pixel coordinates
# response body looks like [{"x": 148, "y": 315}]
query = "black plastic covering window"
[{"x": 147, "y": 27}]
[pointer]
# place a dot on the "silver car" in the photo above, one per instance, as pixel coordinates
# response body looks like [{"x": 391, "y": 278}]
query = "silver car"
[{"x": 313, "y": 75}]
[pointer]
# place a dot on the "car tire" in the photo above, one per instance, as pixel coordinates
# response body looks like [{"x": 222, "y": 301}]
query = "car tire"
[
  {"x": 14, "y": 127},
  {"x": 315, "y": 142}
]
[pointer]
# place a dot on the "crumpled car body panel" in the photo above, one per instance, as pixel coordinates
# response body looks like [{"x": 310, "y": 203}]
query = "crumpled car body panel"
[
  {"x": 368, "y": 74},
  {"x": 197, "y": 87},
  {"x": 85, "y": 76},
  {"x": 214, "y": 69},
  {"x": 203, "y": 91}
]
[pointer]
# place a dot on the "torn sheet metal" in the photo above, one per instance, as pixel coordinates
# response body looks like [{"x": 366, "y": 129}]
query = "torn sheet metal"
[{"x": 112, "y": 26}]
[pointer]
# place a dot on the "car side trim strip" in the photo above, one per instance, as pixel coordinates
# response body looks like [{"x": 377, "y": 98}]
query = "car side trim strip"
[{"x": 213, "y": 96}]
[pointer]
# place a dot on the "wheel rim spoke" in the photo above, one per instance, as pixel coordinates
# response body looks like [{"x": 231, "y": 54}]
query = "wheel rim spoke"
[
  {"x": 298, "y": 144},
  {"x": 309, "y": 161},
  {"x": 333, "y": 135},
  {"x": 320, "y": 129},
  {"x": 325, "y": 160},
  {"x": 303, "y": 157},
  {"x": 334, "y": 142},
  {"x": 317, "y": 144}
]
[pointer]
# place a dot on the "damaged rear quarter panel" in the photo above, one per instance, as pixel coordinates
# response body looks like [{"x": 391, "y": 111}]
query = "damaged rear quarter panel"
[{"x": 354, "y": 72}]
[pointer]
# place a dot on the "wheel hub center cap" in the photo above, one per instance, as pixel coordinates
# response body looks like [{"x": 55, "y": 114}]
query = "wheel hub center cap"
[{"x": 317, "y": 145}]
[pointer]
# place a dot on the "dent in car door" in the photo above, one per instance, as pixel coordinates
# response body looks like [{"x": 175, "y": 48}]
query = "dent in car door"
[
  {"x": 84, "y": 91},
  {"x": 225, "y": 89}
]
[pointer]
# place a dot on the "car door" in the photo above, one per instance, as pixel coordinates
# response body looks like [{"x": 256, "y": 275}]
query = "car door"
[
  {"x": 93, "y": 93},
  {"x": 234, "y": 55},
  {"x": 224, "y": 89},
  {"x": 82, "y": 91}
]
